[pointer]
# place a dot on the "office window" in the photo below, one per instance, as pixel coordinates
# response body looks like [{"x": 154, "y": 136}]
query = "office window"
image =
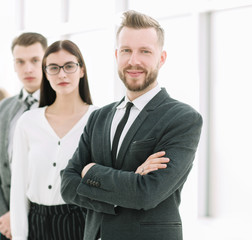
[
  {"x": 91, "y": 13},
  {"x": 8, "y": 19},
  {"x": 97, "y": 48},
  {"x": 232, "y": 118},
  {"x": 44, "y": 14}
]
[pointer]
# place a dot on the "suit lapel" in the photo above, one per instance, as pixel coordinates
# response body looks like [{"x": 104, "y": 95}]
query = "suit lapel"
[
  {"x": 6, "y": 121},
  {"x": 106, "y": 140},
  {"x": 15, "y": 107},
  {"x": 152, "y": 105},
  {"x": 128, "y": 138},
  {"x": 12, "y": 111}
]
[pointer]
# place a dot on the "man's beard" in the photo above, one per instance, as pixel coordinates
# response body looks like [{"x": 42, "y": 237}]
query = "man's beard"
[{"x": 149, "y": 79}]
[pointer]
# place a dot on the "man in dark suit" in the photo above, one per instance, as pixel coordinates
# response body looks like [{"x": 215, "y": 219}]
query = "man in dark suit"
[
  {"x": 122, "y": 174},
  {"x": 28, "y": 50}
]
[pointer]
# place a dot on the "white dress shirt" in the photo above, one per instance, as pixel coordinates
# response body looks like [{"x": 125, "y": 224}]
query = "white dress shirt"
[
  {"x": 38, "y": 157},
  {"x": 13, "y": 122},
  {"x": 139, "y": 104}
]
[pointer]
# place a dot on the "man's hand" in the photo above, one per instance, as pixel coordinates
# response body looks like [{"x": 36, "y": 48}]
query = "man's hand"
[
  {"x": 86, "y": 168},
  {"x": 154, "y": 162},
  {"x": 5, "y": 225}
]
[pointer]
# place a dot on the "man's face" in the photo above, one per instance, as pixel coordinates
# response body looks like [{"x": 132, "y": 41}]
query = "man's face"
[
  {"x": 139, "y": 58},
  {"x": 28, "y": 65}
]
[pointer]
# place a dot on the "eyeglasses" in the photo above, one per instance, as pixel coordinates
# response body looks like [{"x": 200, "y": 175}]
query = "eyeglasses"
[{"x": 54, "y": 69}]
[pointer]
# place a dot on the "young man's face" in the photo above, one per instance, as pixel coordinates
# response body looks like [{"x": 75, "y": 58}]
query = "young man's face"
[
  {"x": 139, "y": 57},
  {"x": 28, "y": 65}
]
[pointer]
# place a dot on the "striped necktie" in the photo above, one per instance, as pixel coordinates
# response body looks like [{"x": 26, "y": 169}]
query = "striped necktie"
[{"x": 29, "y": 101}]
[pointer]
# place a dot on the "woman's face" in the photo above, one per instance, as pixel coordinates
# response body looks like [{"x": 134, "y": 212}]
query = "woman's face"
[{"x": 66, "y": 81}]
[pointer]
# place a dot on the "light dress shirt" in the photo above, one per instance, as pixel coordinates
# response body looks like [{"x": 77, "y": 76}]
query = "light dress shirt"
[
  {"x": 13, "y": 122},
  {"x": 38, "y": 157},
  {"x": 139, "y": 104}
]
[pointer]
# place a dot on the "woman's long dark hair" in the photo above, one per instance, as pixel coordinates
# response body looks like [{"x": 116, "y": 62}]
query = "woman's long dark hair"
[{"x": 47, "y": 94}]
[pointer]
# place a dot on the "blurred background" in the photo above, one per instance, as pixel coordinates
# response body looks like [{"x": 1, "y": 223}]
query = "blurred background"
[{"x": 209, "y": 58}]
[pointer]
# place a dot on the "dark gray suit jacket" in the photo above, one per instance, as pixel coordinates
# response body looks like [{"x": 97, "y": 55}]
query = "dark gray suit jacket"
[
  {"x": 8, "y": 109},
  {"x": 122, "y": 204}
]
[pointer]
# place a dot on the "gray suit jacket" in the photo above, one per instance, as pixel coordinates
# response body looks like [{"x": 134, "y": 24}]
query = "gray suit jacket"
[
  {"x": 8, "y": 109},
  {"x": 122, "y": 204}
]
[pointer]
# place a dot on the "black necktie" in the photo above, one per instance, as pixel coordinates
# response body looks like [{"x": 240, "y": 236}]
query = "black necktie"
[
  {"x": 119, "y": 130},
  {"x": 29, "y": 101}
]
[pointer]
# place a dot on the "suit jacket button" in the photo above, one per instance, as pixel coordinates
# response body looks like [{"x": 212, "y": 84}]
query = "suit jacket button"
[
  {"x": 97, "y": 184},
  {"x": 88, "y": 181}
]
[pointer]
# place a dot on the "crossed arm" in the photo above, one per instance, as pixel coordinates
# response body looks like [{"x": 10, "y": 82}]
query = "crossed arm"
[
  {"x": 72, "y": 187},
  {"x": 153, "y": 162}
]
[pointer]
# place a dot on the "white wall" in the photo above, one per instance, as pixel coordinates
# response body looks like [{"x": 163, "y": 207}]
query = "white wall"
[{"x": 232, "y": 116}]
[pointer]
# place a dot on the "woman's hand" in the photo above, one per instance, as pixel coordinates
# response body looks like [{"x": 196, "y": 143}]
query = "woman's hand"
[{"x": 154, "y": 162}]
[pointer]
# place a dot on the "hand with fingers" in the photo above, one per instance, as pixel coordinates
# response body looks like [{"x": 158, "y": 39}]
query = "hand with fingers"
[
  {"x": 154, "y": 162},
  {"x": 5, "y": 225}
]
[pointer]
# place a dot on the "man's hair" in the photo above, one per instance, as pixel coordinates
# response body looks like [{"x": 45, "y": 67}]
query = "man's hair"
[
  {"x": 29, "y": 38},
  {"x": 136, "y": 20},
  {"x": 3, "y": 93}
]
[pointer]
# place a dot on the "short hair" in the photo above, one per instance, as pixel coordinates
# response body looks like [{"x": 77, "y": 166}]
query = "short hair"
[
  {"x": 3, "y": 93},
  {"x": 47, "y": 94},
  {"x": 136, "y": 20},
  {"x": 29, "y": 38}
]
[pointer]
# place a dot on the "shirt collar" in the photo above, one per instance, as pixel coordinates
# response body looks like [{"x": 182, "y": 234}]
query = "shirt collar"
[
  {"x": 141, "y": 101},
  {"x": 36, "y": 94}
]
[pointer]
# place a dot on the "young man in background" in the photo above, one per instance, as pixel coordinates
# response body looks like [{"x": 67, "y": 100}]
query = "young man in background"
[{"x": 28, "y": 50}]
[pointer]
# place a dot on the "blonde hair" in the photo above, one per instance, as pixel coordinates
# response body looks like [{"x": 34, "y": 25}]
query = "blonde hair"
[
  {"x": 136, "y": 20},
  {"x": 3, "y": 94}
]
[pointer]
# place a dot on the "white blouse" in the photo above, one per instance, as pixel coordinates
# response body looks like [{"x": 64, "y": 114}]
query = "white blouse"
[{"x": 38, "y": 157}]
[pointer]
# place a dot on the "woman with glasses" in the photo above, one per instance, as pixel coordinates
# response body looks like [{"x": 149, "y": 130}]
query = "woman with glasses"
[{"x": 45, "y": 139}]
